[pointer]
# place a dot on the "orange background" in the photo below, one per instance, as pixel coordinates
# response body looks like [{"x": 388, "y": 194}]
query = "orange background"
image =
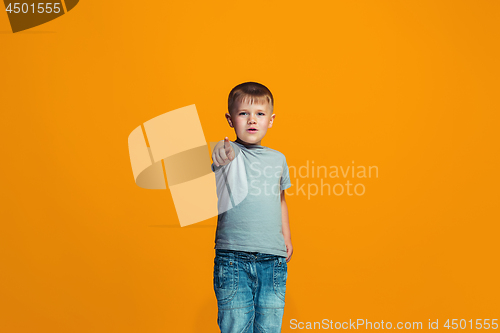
[{"x": 411, "y": 87}]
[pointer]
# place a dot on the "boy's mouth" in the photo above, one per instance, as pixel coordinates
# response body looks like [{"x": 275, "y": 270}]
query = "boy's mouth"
[{"x": 252, "y": 130}]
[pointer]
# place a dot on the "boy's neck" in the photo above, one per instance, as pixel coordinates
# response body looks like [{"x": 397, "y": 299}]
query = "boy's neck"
[{"x": 248, "y": 144}]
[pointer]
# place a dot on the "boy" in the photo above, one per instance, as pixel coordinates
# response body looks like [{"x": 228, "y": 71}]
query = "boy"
[{"x": 252, "y": 242}]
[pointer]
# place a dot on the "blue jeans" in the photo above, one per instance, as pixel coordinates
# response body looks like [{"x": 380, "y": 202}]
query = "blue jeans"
[{"x": 250, "y": 289}]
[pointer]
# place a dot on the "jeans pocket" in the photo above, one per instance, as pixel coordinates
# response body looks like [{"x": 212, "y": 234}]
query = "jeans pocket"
[
  {"x": 225, "y": 278},
  {"x": 280, "y": 275}
]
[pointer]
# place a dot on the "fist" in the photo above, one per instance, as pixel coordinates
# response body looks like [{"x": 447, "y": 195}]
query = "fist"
[{"x": 223, "y": 153}]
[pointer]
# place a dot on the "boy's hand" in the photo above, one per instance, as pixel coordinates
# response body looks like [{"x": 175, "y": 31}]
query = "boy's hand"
[
  {"x": 223, "y": 154},
  {"x": 289, "y": 251}
]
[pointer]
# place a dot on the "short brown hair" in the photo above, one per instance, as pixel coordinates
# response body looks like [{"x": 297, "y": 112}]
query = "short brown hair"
[{"x": 252, "y": 92}]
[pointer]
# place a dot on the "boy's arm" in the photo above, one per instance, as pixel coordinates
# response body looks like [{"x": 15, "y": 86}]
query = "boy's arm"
[{"x": 285, "y": 226}]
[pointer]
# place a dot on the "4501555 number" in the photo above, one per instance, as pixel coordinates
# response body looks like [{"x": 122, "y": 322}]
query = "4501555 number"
[
  {"x": 41, "y": 8},
  {"x": 479, "y": 324}
]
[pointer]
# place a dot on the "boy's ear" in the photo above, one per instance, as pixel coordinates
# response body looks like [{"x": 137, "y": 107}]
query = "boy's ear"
[
  {"x": 271, "y": 121},
  {"x": 228, "y": 118}
]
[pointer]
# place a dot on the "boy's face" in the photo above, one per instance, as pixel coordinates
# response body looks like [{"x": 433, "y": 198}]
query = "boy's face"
[{"x": 246, "y": 116}]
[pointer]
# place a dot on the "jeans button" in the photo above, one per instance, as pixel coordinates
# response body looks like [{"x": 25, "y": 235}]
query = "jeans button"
[
  {"x": 279, "y": 264},
  {"x": 230, "y": 263}
]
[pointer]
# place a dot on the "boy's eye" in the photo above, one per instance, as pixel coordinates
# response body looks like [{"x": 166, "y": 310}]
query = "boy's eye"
[{"x": 260, "y": 113}]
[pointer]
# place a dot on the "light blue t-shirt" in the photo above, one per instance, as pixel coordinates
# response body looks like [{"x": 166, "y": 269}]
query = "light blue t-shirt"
[{"x": 249, "y": 202}]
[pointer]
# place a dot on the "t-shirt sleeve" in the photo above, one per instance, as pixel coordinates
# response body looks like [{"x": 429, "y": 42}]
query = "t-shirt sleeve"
[
  {"x": 237, "y": 151},
  {"x": 285, "y": 177}
]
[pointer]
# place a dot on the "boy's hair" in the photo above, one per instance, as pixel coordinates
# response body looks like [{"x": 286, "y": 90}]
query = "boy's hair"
[{"x": 252, "y": 92}]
